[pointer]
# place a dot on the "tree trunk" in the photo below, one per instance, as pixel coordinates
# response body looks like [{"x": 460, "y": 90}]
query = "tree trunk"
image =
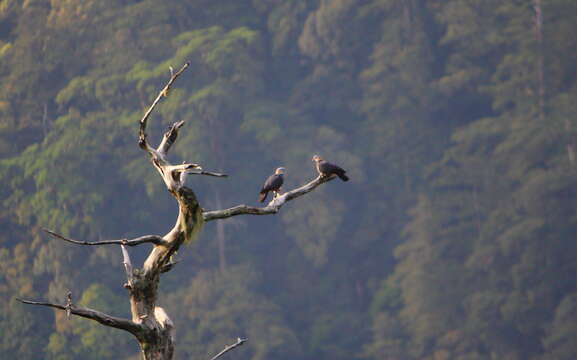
[
  {"x": 540, "y": 59},
  {"x": 149, "y": 323}
]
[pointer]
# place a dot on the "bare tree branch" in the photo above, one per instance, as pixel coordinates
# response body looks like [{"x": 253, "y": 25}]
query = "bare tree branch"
[
  {"x": 228, "y": 348},
  {"x": 272, "y": 208},
  {"x": 127, "y": 266},
  {"x": 198, "y": 171},
  {"x": 104, "y": 319},
  {"x": 169, "y": 137},
  {"x": 163, "y": 93},
  {"x": 154, "y": 239},
  {"x": 208, "y": 173}
]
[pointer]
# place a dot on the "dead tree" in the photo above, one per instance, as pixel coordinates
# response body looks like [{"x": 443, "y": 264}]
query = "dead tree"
[{"x": 150, "y": 324}]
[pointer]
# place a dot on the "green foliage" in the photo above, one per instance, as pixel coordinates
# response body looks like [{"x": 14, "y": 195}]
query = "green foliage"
[
  {"x": 455, "y": 120},
  {"x": 222, "y": 307}
]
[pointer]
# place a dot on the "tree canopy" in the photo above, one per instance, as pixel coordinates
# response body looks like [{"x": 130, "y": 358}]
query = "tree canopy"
[{"x": 455, "y": 120}]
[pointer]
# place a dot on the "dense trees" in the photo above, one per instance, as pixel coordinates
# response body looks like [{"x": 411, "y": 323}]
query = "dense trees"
[{"x": 455, "y": 120}]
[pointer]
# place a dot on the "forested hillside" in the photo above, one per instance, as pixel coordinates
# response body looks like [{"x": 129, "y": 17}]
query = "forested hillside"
[{"x": 456, "y": 121}]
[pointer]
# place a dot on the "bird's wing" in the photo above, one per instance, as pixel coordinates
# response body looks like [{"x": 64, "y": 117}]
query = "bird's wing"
[
  {"x": 272, "y": 183},
  {"x": 328, "y": 168}
]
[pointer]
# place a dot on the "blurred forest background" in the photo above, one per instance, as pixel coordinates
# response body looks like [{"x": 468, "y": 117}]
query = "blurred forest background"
[{"x": 454, "y": 239}]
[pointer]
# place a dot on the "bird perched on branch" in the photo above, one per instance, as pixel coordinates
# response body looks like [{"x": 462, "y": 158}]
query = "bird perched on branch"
[
  {"x": 327, "y": 169},
  {"x": 273, "y": 183}
]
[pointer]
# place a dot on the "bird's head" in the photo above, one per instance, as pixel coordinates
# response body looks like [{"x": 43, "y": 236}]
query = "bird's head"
[
  {"x": 279, "y": 171},
  {"x": 317, "y": 158}
]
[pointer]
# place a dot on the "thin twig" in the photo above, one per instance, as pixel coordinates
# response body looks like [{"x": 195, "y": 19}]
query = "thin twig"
[
  {"x": 198, "y": 171},
  {"x": 207, "y": 173},
  {"x": 228, "y": 348},
  {"x": 154, "y": 239},
  {"x": 164, "y": 92}
]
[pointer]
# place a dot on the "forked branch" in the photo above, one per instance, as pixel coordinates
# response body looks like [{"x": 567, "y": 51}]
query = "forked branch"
[{"x": 272, "y": 208}]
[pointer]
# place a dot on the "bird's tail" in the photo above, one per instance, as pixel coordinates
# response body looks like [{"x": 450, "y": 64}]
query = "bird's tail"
[
  {"x": 262, "y": 196},
  {"x": 342, "y": 176}
]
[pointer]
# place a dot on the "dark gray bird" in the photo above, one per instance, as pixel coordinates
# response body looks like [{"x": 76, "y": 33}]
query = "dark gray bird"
[
  {"x": 273, "y": 183},
  {"x": 325, "y": 168}
]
